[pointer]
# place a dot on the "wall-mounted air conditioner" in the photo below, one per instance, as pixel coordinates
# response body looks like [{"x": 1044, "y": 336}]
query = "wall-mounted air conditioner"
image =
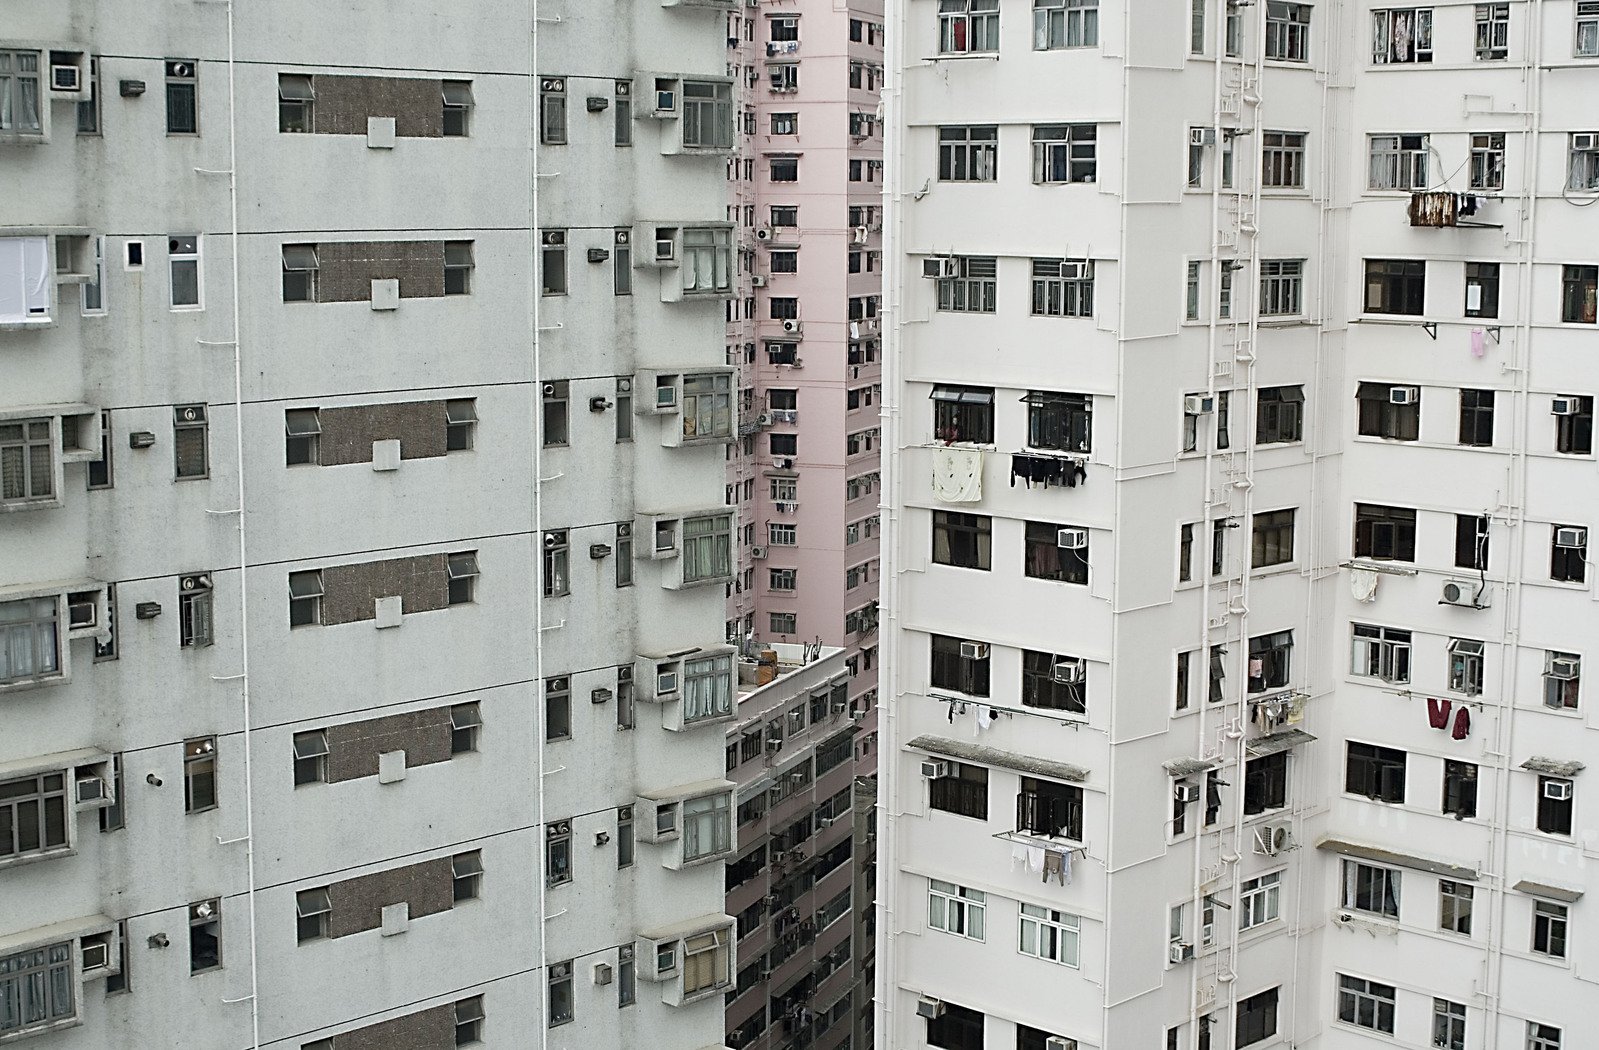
[
  {"x": 940, "y": 268},
  {"x": 1072, "y": 539},
  {"x": 934, "y": 769},
  {"x": 974, "y": 650}
]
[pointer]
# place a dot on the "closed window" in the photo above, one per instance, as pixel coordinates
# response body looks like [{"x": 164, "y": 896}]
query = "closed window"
[
  {"x": 1402, "y": 35},
  {"x": 1272, "y": 540},
  {"x": 1454, "y": 906},
  {"x": 1054, "y": 552},
  {"x": 27, "y": 462},
  {"x": 1587, "y": 29},
  {"x": 1257, "y": 1018},
  {"x": 1554, "y": 805},
  {"x": 183, "y": 271},
  {"x": 1542, "y": 1036},
  {"x": 183, "y": 97},
  {"x": 562, "y": 998},
  {"x": 1288, "y": 31},
  {"x": 34, "y": 811},
  {"x": 552, "y": 262},
  {"x": 1482, "y": 289},
  {"x": 1065, "y": 23},
  {"x": 1460, "y": 789},
  {"x": 707, "y": 826},
  {"x": 195, "y": 611},
  {"x": 1477, "y": 418},
  {"x": 1048, "y": 934},
  {"x": 552, "y": 111},
  {"x": 1579, "y": 286},
  {"x": 1492, "y": 38},
  {"x": 707, "y": 406},
  {"x": 200, "y": 774},
  {"x": 707, "y": 687},
  {"x": 1279, "y": 414},
  {"x": 1487, "y": 161},
  {"x": 965, "y": 26},
  {"x": 20, "y": 110},
  {"x": 964, "y": 791},
  {"x": 1376, "y": 772},
  {"x": 557, "y": 708},
  {"x": 1064, "y": 422},
  {"x": 190, "y": 441},
  {"x": 458, "y": 267},
  {"x": 1063, "y": 288},
  {"x": 1281, "y": 287},
  {"x": 956, "y": 909},
  {"x": 707, "y": 114},
  {"x": 707, "y": 547},
  {"x": 1385, "y": 533},
  {"x": 973, "y": 289},
  {"x": 962, "y": 540},
  {"x": 968, "y": 153},
  {"x": 1396, "y": 286},
  {"x": 1367, "y": 1004},
  {"x": 1549, "y": 922},
  {"x": 1259, "y": 900},
  {"x": 1283, "y": 160},
  {"x": 707, "y": 260},
  {"x": 558, "y": 853},
  {"x": 1065, "y": 153},
  {"x": 1448, "y": 1024}
]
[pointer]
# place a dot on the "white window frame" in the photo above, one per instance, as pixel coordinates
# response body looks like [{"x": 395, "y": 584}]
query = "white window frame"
[
  {"x": 1492, "y": 32},
  {"x": 1287, "y": 31},
  {"x": 11, "y": 80},
  {"x": 1068, "y": 149},
  {"x": 957, "y": 910},
  {"x": 1582, "y": 165},
  {"x": 46, "y": 630},
  {"x": 1282, "y": 284},
  {"x": 1397, "y": 162},
  {"x": 1383, "y": 21},
  {"x": 1054, "y": 936},
  {"x": 707, "y": 265},
  {"x": 1586, "y": 43},
  {"x": 1380, "y": 655},
  {"x": 195, "y": 258},
  {"x": 96, "y": 282},
  {"x": 706, "y": 826},
  {"x": 704, "y": 112},
  {"x": 1063, "y": 24},
  {"x": 707, "y": 687},
  {"x": 33, "y": 294},
  {"x": 980, "y": 19},
  {"x": 1259, "y": 900}
]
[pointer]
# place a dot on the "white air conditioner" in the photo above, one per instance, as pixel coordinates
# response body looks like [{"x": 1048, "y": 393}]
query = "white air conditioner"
[
  {"x": 1583, "y": 143},
  {"x": 974, "y": 650},
  {"x": 1557, "y": 790},
  {"x": 665, "y": 248},
  {"x": 763, "y": 233},
  {"x": 758, "y": 280},
  {"x": 1465, "y": 593},
  {"x": 758, "y": 553},
  {"x": 1403, "y": 395},
  {"x": 666, "y": 102},
  {"x": 1564, "y": 668},
  {"x": 93, "y": 790},
  {"x": 1571, "y": 537},
  {"x": 1185, "y": 793},
  {"x": 825, "y": 822},
  {"x": 1198, "y": 405},
  {"x": 939, "y": 268},
  {"x": 1073, "y": 271},
  {"x": 66, "y": 78},
  {"x": 1272, "y": 839},
  {"x": 763, "y": 420},
  {"x": 1564, "y": 406},
  {"x": 666, "y": 683},
  {"x": 934, "y": 769},
  {"x": 1072, "y": 539},
  {"x": 83, "y": 611},
  {"x": 857, "y": 716},
  {"x": 1179, "y": 951},
  {"x": 1060, "y": 1042},
  {"x": 1201, "y": 136},
  {"x": 1068, "y": 672},
  {"x": 929, "y": 1008},
  {"x": 794, "y": 326}
]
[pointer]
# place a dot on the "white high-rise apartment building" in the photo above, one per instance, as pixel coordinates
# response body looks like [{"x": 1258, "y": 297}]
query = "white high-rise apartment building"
[
  {"x": 363, "y": 412},
  {"x": 1240, "y": 429}
]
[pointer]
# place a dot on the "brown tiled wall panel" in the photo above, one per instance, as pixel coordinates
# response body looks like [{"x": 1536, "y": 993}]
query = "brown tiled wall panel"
[
  {"x": 346, "y": 269},
  {"x": 350, "y": 592},
  {"x": 432, "y": 1029},
  {"x": 344, "y": 103},
  {"x": 353, "y": 748},
  {"x": 429, "y": 888},
  {"x": 348, "y": 433}
]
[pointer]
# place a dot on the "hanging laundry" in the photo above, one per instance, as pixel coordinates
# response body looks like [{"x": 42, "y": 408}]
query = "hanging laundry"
[
  {"x": 1018, "y": 856},
  {"x": 1462, "y": 723},
  {"x": 985, "y": 718},
  {"x": 1066, "y": 868},
  {"x": 1437, "y": 712},
  {"x": 1296, "y": 710},
  {"x": 1035, "y": 858},
  {"x": 957, "y": 475},
  {"x": 1054, "y": 864},
  {"x": 1363, "y": 584},
  {"x": 1479, "y": 342}
]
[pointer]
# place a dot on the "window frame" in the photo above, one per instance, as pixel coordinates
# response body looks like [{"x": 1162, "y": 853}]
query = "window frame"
[
  {"x": 962, "y": 541},
  {"x": 1064, "y": 154},
  {"x": 957, "y": 910}
]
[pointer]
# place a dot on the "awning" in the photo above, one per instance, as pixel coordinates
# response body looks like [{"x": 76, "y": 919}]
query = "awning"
[
  {"x": 1552, "y": 766},
  {"x": 1271, "y": 745},
  {"x": 1378, "y": 855},
  {"x": 979, "y": 754},
  {"x": 1548, "y": 892},
  {"x": 1187, "y": 767}
]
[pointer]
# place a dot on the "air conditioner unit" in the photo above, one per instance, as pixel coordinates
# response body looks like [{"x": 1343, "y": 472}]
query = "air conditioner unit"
[
  {"x": 857, "y": 716},
  {"x": 929, "y": 1008},
  {"x": 1185, "y": 793},
  {"x": 763, "y": 233},
  {"x": 794, "y": 326},
  {"x": 940, "y": 268},
  {"x": 1198, "y": 405},
  {"x": 758, "y": 553},
  {"x": 1073, "y": 271},
  {"x": 1465, "y": 593},
  {"x": 1571, "y": 537},
  {"x": 1403, "y": 395},
  {"x": 666, "y": 683},
  {"x": 66, "y": 78},
  {"x": 1059, "y": 1042},
  {"x": 665, "y": 248},
  {"x": 1068, "y": 672},
  {"x": 666, "y": 102},
  {"x": 1564, "y": 406},
  {"x": 1564, "y": 669},
  {"x": 1072, "y": 539},
  {"x": 92, "y": 790},
  {"x": 83, "y": 611},
  {"x": 763, "y": 420},
  {"x": 974, "y": 650},
  {"x": 825, "y": 822},
  {"x": 1585, "y": 142},
  {"x": 773, "y": 744},
  {"x": 1201, "y": 136},
  {"x": 1179, "y": 951},
  {"x": 1272, "y": 839},
  {"x": 934, "y": 769},
  {"x": 1557, "y": 790},
  {"x": 758, "y": 280}
]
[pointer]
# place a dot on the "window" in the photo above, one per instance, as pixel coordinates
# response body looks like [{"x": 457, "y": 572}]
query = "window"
[
  {"x": 956, "y": 909},
  {"x": 960, "y": 665},
  {"x": 707, "y": 687},
  {"x": 1465, "y": 666},
  {"x": 469, "y": 1021},
  {"x": 556, "y": 415},
  {"x": 1460, "y": 789},
  {"x": 1579, "y": 286},
  {"x": 961, "y": 540},
  {"x": 183, "y": 113},
  {"x": 1542, "y": 1036},
  {"x": 562, "y": 999},
  {"x": 19, "y": 97},
  {"x": 183, "y": 267},
  {"x": 1493, "y": 32},
  {"x": 1549, "y": 928},
  {"x": 707, "y": 547},
  {"x": 1283, "y": 160},
  {"x": 1064, "y": 153},
  {"x": 1259, "y": 900},
  {"x": 462, "y": 572},
  {"x": 460, "y": 424},
  {"x": 466, "y": 875},
  {"x": 199, "y": 774},
  {"x": 958, "y": 1028},
  {"x": 784, "y": 168},
  {"x": 305, "y": 598},
  {"x": 1367, "y": 1004},
  {"x": 195, "y": 607},
  {"x": 1370, "y": 888},
  {"x": 1060, "y": 421},
  {"x": 1281, "y": 286},
  {"x": 1401, "y": 35},
  {"x": 1482, "y": 289},
  {"x": 1587, "y": 29},
  {"x": 311, "y": 757},
  {"x": 964, "y": 791},
  {"x": 300, "y": 268},
  {"x": 966, "y": 26},
  {"x": 190, "y": 431},
  {"x": 781, "y": 580},
  {"x": 311, "y": 908},
  {"x": 973, "y": 289},
  {"x": 1279, "y": 414},
  {"x": 783, "y": 78},
  {"x": 1471, "y": 541},
  {"x": 780, "y": 535},
  {"x": 1396, "y": 286},
  {"x": 1049, "y": 553},
  {"x": 1265, "y": 783},
  {"x": 205, "y": 936},
  {"x": 1487, "y": 161},
  {"x": 707, "y": 114},
  {"x": 785, "y": 124},
  {"x": 1272, "y": 542},
  {"x": 552, "y": 256},
  {"x": 1048, "y": 934},
  {"x": 1574, "y": 428},
  {"x": 34, "y": 811},
  {"x": 706, "y": 962},
  {"x": 1554, "y": 805},
  {"x": 558, "y": 853},
  {"x": 1065, "y": 23},
  {"x": 1257, "y": 1017},
  {"x": 707, "y": 260},
  {"x": 1561, "y": 678},
  {"x": 1449, "y": 1018},
  {"x": 1568, "y": 554},
  {"x": 1376, "y": 772},
  {"x": 1385, "y": 533},
  {"x": 968, "y": 153},
  {"x": 296, "y": 102},
  {"x": 1477, "y": 418},
  {"x": 1185, "y": 553},
  {"x": 457, "y": 267},
  {"x": 552, "y": 111},
  {"x": 626, "y": 977},
  {"x": 1397, "y": 162},
  {"x": 963, "y": 413},
  {"x": 557, "y": 709},
  {"x": 707, "y": 826},
  {"x": 91, "y": 296},
  {"x": 457, "y": 112},
  {"x": 1454, "y": 906},
  {"x": 1191, "y": 288},
  {"x": 622, "y": 125},
  {"x": 1053, "y": 682},
  {"x": 1063, "y": 288},
  {"x": 1044, "y": 807},
  {"x": 27, "y": 462},
  {"x": 624, "y": 836},
  {"x": 707, "y": 405}
]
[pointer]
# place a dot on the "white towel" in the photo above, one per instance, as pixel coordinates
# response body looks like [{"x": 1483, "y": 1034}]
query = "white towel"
[
  {"x": 1035, "y": 858},
  {"x": 985, "y": 717},
  {"x": 1018, "y": 856},
  {"x": 957, "y": 475},
  {"x": 1363, "y": 584},
  {"x": 1066, "y": 866}
]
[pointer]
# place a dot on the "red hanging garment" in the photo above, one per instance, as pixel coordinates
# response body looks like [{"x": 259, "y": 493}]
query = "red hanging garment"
[
  {"x": 1462, "y": 724},
  {"x": 1437, "y": 713}
]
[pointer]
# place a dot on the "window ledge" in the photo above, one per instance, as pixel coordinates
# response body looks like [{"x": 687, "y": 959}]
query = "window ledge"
[
  {"x": 27, "y": 326},
  {"x": 1286, "y": 322},
  {"x": 964, "y": 56},
  {"x": 18, "y": 506},
  {"x": 43, "y": 855}
]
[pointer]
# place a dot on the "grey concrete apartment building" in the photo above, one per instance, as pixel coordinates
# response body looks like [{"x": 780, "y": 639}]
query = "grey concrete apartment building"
[{"x": 363, "y": 413}]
